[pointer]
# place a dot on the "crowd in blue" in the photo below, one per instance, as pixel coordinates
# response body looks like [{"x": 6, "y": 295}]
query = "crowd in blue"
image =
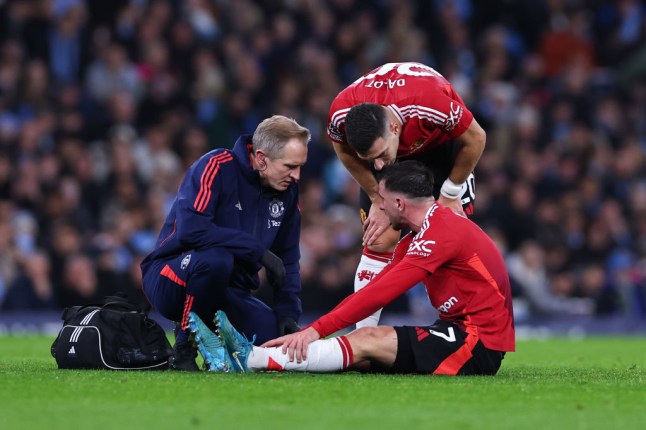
[{"x": 104, "y": 105}]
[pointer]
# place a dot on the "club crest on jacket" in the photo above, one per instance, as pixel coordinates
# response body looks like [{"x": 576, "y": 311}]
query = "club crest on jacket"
[{"x": 276, "y": 208}]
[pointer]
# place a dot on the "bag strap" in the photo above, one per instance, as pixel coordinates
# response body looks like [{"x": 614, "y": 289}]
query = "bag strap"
[
  {"x": 69, "y": 313},
  {"x": 120, "y": 303}
]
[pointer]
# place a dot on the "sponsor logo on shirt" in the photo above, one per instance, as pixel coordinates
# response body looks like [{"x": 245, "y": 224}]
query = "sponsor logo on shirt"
[
  {"x": 444, "y": 307},
  {"x": 420, "y": 247}
]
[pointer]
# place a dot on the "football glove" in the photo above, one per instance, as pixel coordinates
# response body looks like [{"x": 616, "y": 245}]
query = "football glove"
[
  {"x": 287, "y": 325},
  {"x": 274, "y": 265}
]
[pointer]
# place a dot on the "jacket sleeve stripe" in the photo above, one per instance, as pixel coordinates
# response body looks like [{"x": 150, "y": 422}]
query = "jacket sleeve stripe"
[
  {"x": 170, "y": 235},
  {"x": 206, "y": 180}
]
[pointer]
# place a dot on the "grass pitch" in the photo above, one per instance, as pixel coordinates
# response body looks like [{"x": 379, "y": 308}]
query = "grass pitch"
[{"x": 596, "y": 383}]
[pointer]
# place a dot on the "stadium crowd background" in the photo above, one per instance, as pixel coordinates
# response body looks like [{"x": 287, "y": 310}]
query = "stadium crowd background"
[{"x": 104, "y": 104}]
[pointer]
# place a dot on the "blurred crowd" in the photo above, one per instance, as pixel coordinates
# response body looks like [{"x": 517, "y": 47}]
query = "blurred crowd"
[{"x": 104, "y": 105}]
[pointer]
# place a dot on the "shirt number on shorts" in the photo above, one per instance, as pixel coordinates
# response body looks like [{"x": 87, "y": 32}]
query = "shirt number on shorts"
[{"x": 449, "y": 338}]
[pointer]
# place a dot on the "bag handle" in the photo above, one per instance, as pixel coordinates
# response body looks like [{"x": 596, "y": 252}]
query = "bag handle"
[{"x": 119, "y": 302}]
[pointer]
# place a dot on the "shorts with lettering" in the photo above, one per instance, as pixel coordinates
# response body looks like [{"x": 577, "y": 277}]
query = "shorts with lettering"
[{"x": 443, "y": 349}]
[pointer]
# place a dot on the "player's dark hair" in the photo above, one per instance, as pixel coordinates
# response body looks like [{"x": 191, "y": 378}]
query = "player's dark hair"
[
  {"x": 364, "y": 123},
  {"x": 411, "y": 178}
]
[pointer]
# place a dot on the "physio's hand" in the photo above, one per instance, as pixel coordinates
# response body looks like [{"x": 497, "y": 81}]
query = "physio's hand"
[
  {"x": 454, "y": 204},
  {"x": 287, "y": 325},
  {"x": 275, "y": 265},
  {"x": 375, "y": 225},
  {"x": 295, "y": 345}
]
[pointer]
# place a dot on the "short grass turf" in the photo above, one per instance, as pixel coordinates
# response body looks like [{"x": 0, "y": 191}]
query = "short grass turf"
[{"x": 594, "y": 383}]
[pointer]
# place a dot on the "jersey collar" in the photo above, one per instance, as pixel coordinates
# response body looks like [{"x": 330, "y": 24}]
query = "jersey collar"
[{"x": 427, "y": 219}]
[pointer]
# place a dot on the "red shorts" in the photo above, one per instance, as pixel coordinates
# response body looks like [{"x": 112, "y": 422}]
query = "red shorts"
[{"x": 443, "y": 349}]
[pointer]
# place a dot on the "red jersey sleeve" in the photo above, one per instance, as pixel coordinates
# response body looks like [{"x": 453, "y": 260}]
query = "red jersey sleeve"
[
  {"x": 382, "y": 290},
  {"x": 336, "y": 119},
  {"x": 441, "y": 109}
]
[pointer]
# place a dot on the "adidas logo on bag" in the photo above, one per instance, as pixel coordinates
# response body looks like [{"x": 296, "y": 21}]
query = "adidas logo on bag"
[{"x": 72, "y": 351}]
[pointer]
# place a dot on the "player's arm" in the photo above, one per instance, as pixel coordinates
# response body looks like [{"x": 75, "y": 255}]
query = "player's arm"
[
  {"x": 389, "y": 288},
  {"x": 197, "y": 204},
  {"x": 363, "y": 303},
  {"x": 472, "y": 144},
  {"x": 354, "y": 308}
]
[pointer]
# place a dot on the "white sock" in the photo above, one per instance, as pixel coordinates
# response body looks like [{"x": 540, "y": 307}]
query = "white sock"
[
  {"x": 368, "y": 268},
  {"x": 327, "y": 355}
]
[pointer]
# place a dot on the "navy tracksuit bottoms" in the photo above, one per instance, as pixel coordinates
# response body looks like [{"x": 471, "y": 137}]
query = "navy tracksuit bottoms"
[{"x": 198, "y": 281}]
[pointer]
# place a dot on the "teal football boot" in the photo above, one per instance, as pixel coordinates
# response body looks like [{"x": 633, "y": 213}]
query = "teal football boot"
[
  {"x": 236, "y": 343},
  {"x": 210, "y": 345}
]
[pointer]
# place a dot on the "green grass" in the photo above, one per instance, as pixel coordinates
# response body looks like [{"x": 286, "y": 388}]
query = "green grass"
[{"x": 597, "y": 383}]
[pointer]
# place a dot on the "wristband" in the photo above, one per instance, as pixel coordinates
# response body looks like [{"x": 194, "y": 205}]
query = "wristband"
[{"x": 450, "y": 189}]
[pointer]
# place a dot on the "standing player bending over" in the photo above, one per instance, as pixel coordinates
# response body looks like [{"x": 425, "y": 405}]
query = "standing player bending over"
[
  {"x": 466, "y": 280},
  {"x": 403, "y": 111}
]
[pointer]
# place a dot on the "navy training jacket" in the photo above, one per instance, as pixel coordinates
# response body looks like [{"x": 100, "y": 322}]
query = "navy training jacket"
[{"x": 221, "y": 203}]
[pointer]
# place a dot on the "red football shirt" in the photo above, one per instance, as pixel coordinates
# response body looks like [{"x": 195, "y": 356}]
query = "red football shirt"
[
  {"x": 431, "y": 112},
  {"x": 464, "y": 274}
]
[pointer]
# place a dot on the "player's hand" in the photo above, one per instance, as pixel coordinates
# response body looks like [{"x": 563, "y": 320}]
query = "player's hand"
[
  {"x": 375, "y": 225},
  {"x": 454, "y": 204},
  {"x": 295, "y": 345}
]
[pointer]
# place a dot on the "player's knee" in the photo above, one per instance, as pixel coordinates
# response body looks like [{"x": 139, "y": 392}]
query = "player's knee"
[
  {"x": 216, "y": 269},
  {"x": 382, "y": 248},
  {"x": 386, "y": 242},
  {"x": 367, "y": 341}
]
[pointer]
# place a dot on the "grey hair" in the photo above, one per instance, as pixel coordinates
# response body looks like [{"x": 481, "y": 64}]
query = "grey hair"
[{"x": 273, "y": 133}]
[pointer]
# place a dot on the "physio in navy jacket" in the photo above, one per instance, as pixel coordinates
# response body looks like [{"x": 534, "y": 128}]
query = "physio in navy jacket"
[{"x": 236, "y": 210}]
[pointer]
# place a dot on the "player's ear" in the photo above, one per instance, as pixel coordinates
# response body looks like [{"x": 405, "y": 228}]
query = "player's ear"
[{"x": 400, "y": 204}]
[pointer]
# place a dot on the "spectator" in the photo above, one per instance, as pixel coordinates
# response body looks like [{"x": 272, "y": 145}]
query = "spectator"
[
  {"x": 81, "y": 284},
  {"x": 103, "y": 105},
  {"x": 112, "y": 72},
  {"x": 527, "y": 271},
  {"x": 32, "y": 289}
]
